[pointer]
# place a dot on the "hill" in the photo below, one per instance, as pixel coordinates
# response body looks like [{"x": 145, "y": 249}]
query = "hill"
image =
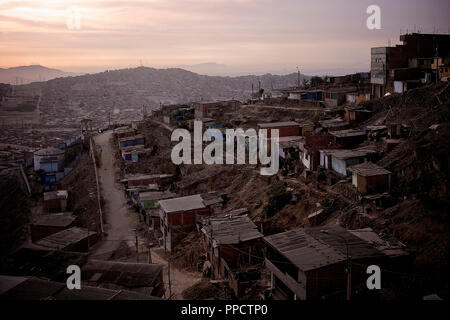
[
  {"x": 28, "y": 74},
  {"x": 142, "y": 85}
]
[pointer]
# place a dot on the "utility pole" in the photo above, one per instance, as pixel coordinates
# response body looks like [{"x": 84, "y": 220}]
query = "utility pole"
[
  {"x": 298, "y": 72},
  {"x": 252, "y": 94},
  {"x": 349, "y": 275},
  {"x": 149, "y": 248},
  {"x": 137, "y": 246},
  {"x": 168, "y": 276},
  {"x": 348, "y": 269},
  {"x": 437, "y": 62}
]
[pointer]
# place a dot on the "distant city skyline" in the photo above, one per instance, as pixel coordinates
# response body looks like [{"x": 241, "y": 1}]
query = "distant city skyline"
[{"x": 215, "y": 37}]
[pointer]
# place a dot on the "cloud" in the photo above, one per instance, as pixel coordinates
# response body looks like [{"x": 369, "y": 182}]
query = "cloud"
[{"x": 272, "y": 34}]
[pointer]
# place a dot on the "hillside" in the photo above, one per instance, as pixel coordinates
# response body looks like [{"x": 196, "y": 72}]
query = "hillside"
[
  {"x": 418, "y": 217},
  {"x": 134, "y": 87},
  {"x": 27, "y": 74}
]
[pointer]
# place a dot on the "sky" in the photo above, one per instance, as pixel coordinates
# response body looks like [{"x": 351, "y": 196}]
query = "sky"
[{"x": 240, "y": 36}]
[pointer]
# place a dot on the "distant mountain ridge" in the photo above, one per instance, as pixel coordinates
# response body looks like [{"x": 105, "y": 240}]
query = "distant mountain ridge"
[
  {"x": 134, "y": 87},
  {"x": 27, "y": 74}
]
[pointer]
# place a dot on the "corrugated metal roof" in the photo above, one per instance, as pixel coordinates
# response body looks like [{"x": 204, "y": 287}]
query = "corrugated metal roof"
[
  {"x": 347, "y": 154},
  {"x": 65, "y": 238},
  {"x": 333, "y": 123},
  {"x": 145, "y": 176},
  {"x": 211, "y": 198},
  {"x": 49, "y": 152},
  {"x": 138, "y": 136},
  {"x": 278, "y": 124},
  {"x": 148, "y": 196},
  {"x": 182, "y": 204},
  {"x": 368, "y": 169},
  {"x": 348, "y": 133},
  {"x": 231, "y": 230},
  {"x": 56, "y": 220},
  {"x": 303, "y": 250},
  {"x": 122, "y": 274},
  {"x": 37, "y": 289},
  {"x": 312, "y": 248}
]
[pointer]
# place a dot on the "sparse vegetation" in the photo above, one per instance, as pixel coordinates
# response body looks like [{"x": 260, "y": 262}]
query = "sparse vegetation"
[{"x": 278, "y": 198}]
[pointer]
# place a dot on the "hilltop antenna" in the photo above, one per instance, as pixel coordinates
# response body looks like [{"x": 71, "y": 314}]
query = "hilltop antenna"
[{"x": 252, "y": 93}]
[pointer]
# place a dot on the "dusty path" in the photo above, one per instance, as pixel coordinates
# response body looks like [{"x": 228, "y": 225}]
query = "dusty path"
[
  {"x": 180, "y": 280},
  {"x": 120, "y": 222}
]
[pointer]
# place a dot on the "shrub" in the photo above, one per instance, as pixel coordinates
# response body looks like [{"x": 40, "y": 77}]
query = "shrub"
[{"x": 278, "y": 198}]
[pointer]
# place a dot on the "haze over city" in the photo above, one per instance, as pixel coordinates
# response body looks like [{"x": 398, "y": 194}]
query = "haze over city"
[{"x": 231, "y": 37}]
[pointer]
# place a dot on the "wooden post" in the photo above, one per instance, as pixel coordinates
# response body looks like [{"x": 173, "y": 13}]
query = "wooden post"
[
  {"x": 349, "y": 281},
  {"x": 149, "y": 248},
  {"x": 137, "y": 247},
  {"x": 168, "y": 274}
]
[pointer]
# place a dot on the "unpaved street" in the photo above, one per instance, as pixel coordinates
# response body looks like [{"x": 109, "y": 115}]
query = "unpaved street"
[
  {"x": 180, "y": 280},
  {"x": 120, "y": 223}
]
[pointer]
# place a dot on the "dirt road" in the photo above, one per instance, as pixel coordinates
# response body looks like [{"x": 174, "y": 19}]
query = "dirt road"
[
  {"x": 180, "y": 280},
  {"x": 120, "y": 221}
]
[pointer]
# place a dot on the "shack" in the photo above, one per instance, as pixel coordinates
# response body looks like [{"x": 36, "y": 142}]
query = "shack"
[
  {"x": 148, "y": 205},
  {"x": 368, "y": 178},
  {"x": 310, "y": 263},
  {"x": 56, "y": 201},
  {"x": 124, "y": 132},
  {"x": 49, "y": 224},
  {"x": 336, "y": 124},
  {"x": 179, "y": 217},
  {"x": 233, "y": 245},
  {"x": 132, "y": 141},
  {"x": 72, "y": 239},
  {"x": 145, "y": 277},
  {"x": 306, "y": 128},
  {"x": 286, "y": 129},
  {"x": 26, "y": 289},
  {"x": 349, "y": 138},
  {"x": 341, "y": 160},
  {"x": 49, "y": 159},
  {"x": 147, "y": 179},
  {"x": 355, "y": 115}
]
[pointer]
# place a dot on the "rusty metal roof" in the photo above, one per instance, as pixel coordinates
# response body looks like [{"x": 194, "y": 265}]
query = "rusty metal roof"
[
  {"x": 348, "y": 133},
  {"x": 182, "y": 204},
  {"x": 368, "y": 169},
  {"x": 65, "y": 238},
  {"x": 313, "y": 248},
  {"x": 231, "y": 230},
  {"x": 278, "y": 124},
  {"x": 156, "y": 195},
  {"x": 303, "y": 250},
  {"x": 55, "y": 220},
  {"x": 20, "y": 288},
  {"x": 129, "y": 275}
]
